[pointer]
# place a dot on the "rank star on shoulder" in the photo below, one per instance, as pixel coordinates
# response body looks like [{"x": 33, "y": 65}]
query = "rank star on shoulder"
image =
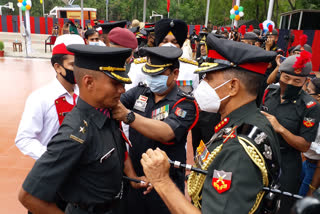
[{"x": 82, "y": 130}]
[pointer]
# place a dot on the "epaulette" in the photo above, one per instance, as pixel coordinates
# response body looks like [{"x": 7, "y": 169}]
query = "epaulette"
[
  {"x": 309, "y": 101},
  {"x": 80, "y": 130},
  {"x": 273, "y": 87},
  {"x": 140, "y": 60},
  {"x": 183, "y": 94},
  {"x": 260, "y": 140},
  {"x": 189, "y": 61}
]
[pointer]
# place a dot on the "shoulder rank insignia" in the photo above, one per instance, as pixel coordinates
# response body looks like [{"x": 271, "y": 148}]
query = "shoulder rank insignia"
[
  {"x": 221, "y": 181},
  {"x": 82, "y": 130},
  {"x": 75, "y": 138},
  {"x": 308, "y": 122},
  {"x": 140, "y": 60},
  {"x": 192, "y": 62},
  {"x": 267, "y": 152},
  {"x": 310, "y": 104},
  {"x": 222, "y": 124}
]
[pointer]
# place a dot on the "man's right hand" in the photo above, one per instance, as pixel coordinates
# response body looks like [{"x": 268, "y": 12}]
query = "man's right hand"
[{"x": 156, "y": 166}]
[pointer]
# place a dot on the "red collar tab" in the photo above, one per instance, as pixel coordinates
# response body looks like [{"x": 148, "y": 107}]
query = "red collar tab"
[
  {"x": 222, "y": 124},
  {"x": 258, "y": 67},
  {"x": 61, "y": 49}
]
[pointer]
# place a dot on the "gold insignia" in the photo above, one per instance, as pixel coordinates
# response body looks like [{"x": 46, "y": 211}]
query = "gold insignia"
[
  {"x": 124, "y": 79},
  {"x": 109, "y": 68},
  {"x": 85, "y": 123},
  {"x": 170, "y": 33},
  {"x": 140, "y": 60},
  {"x": 76, "y": 139},
  {"x": 192, "y": 62},
  {"x": 82, "y": 130}
]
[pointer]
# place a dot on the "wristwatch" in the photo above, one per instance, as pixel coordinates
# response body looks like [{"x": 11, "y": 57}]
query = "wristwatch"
[{"x": 130, "y": 117}]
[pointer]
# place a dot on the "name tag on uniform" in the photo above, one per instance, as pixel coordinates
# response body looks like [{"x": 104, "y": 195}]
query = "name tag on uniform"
[
  {"x": 160, "y": 113},
  {"x": 141, "y": 103}
]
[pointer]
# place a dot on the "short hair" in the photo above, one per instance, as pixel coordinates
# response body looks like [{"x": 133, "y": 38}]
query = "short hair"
[
  {"x": 89, "y": 32},
  {"x": 58, "y": 58},
  {"x": 252, "y": 81},
  {"x": 79, "y": 73}
]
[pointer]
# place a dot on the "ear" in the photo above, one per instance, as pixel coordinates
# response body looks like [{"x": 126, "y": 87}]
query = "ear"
[
  {"x": 58, "y": 68},
  {"x": 176, "y": 73},
  {"x": 88, "y": 82},
  {"x": 234, "y": 87}
]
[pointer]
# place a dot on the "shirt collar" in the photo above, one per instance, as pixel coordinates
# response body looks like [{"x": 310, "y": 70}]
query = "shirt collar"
[
  {"x": 241, "y": 113},
  {"x": 172, "y": 94},
  {"x": 96, "y": 116},
  {"x": 60, "y": 90}
]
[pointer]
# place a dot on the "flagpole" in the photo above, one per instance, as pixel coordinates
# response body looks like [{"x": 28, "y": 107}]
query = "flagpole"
[
  {"x": 82, "y": 21},
  {"x": 207, "y": 13},
  {"x": 144, "y": 10},
  {"x": 43, "y": 7},
  {"x": 107, "y": 4},
  {"x": 271, "y": 3}
]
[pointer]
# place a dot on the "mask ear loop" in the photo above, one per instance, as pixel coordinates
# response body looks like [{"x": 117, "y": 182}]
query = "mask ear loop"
[{"x": 226, "y": 97}]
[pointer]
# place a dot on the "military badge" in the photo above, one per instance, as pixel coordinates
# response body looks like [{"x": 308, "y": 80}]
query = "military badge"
[
  {"x": 310, "y": 104},
  {"x": 180, "y": 113},
  {"x": 201, "y": 155},
  {"x": 141, "y": 103},
  {"x": 221, "y": 181},
  {"x": 308, "y": 122},
  {"x": 267, "y": 152},
  {"x": 260, "y": 138}
]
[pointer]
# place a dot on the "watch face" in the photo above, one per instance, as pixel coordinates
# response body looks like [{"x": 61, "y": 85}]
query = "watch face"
[{"x": 130, "y": 117}]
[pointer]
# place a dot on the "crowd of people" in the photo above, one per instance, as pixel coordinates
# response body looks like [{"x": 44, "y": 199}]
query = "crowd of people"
[{"x": 109, "y": 132}]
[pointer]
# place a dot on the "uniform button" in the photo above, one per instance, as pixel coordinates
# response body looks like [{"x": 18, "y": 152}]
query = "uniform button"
[
  {"x": 64, "y": 99},
  {"x": 57, "y": 102},
  {"x": 60, "y": 114},
  {"x": 294, "y": 101},
  {"x": 219, "y": 125}
]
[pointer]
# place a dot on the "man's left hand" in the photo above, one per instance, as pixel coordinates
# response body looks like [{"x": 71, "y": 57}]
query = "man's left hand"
[
  {"x": 274, "y": 122},
  {"x": 120, "y": 112}
]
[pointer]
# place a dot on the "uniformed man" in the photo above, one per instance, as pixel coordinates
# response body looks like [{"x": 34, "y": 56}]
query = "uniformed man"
[
  {"x": 294, "y": 115},
  {"x": 107, "y": 27},
  {"x": 160, "y": 116},
  {"x": 172, "y": 33},
  {"x": 243, "y": 155},
  {"x": 86, "y": 159}
]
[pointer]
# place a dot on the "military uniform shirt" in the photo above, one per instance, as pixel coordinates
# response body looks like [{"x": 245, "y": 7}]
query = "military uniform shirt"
[
  {"x": 179, "y": 121},
  {"x": 73, "y": 165},
  {"x": 246, "y": 178}
]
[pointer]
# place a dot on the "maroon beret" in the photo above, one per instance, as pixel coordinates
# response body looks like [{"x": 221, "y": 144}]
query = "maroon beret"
[{"x": 123, "y": 37}]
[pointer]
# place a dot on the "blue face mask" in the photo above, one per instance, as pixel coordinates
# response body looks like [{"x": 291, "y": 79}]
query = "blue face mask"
[{"x": 158, "y": 83}]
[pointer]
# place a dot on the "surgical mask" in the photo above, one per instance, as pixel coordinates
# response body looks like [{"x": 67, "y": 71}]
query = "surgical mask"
[
  {"x": 158, "y": 83},
  {"x": 69, "y": 76},
  {"x": 291, "y": 92},
  {"x": 169, "y": 44},
  {"x": 94, "y": 43},
  {"x": 207, "y": 97}
]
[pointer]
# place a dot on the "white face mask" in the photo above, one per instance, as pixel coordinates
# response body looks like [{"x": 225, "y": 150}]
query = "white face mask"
[
  {"x": 169, "y": 44},
  {"x": 207, "y": 97},
  {"x": 94, "y": 43}
]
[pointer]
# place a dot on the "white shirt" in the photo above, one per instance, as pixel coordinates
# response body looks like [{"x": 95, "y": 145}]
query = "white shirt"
[
  {"x": 39, "y": 122},
  {"x": 314, "y": 150}
]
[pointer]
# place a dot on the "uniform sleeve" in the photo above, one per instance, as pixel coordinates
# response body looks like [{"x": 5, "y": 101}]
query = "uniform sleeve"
[
  {"x": 246, "y": 182},
  {"x": 30, "y": 127},
  {"x": 49, "y": 172},
  {"x": 181, "y": 118},
  {"x": 310, "y": 124}
]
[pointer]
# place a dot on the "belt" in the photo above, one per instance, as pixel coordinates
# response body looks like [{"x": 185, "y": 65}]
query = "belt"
[
  {"x": 312, "y": 161},
  {"x": 95, "y": 208}
]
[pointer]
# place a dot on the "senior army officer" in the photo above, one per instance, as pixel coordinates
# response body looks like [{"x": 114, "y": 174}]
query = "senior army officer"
[
  {"x": 85, "y": 161},
  {"x": 243, "y": 156}
]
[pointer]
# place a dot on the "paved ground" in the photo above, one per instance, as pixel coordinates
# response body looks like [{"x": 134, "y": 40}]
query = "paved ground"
[
  {"x": 20, "y": 76},
  {"x": 38, "y": 45}
]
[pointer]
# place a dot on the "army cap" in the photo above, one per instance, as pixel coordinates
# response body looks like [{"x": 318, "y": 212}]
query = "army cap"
[
  {"x": 297, "y": 65},
  {"x": 107, "y": 27},
  {"x": 303, "y": 39},
  {"x": 166, "y": 26},
  {"x": 224, "y": 54},
  {"x": 108, "y": 60},
  {"x": 159, "y": 59},
  {"x": 250, "y": 36}
]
